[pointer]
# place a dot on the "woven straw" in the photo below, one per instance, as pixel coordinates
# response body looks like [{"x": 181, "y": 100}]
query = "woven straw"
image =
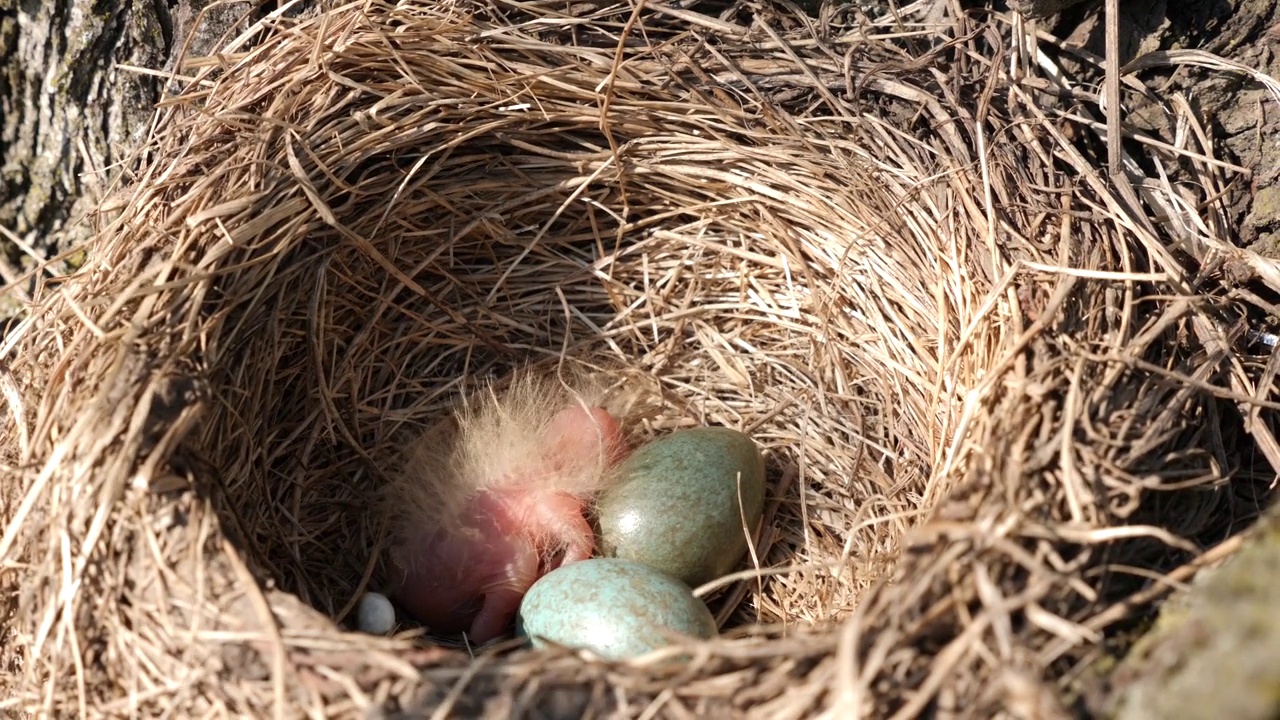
[{"x": 1004, "y": 400}]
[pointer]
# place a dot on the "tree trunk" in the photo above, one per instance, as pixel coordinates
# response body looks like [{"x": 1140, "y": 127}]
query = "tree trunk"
[{"x": 75, "y": 100}]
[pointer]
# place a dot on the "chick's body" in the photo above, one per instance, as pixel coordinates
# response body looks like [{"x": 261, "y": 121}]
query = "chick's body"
[{"x": 486, "y": 509}]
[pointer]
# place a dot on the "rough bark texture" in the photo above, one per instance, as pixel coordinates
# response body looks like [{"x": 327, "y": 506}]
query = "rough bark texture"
[
  {"x": 1214, "y": 652},
  {"x": 72, "y": 110},
  {"x": 1041, "y": 8}
]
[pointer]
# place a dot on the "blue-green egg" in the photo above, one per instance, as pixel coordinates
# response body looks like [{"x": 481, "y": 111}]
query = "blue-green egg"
[
  {"x": 617, "y": 609},
  {"x": 678, "y": 504}
]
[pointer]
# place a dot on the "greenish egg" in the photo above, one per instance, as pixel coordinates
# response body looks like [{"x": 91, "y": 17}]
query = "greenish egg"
[
  {"x": 615, "y": 608},
  {"x": 673, "y": 504}
]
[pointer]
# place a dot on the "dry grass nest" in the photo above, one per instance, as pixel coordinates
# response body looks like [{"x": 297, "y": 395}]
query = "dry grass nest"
[{"x": 1007, "y": 399}]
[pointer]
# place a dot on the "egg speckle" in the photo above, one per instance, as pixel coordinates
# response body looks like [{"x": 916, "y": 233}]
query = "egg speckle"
[
  {"x": 674, "y": 503},
  {"x": 617, "y": 609}
]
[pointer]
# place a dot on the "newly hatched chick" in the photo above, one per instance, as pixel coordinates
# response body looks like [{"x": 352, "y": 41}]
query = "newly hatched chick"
[{"x": 495, "y": 498}]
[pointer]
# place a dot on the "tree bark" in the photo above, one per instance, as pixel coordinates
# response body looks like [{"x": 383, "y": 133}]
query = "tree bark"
[
  {"x": 1041, "y": 8},
  {"x": 75, "y": 100}
]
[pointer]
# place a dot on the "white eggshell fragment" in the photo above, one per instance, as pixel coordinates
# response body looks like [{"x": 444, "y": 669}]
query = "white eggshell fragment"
[
  {"x": 617, "y": 609},
  {"x": 375, "y": 615}
]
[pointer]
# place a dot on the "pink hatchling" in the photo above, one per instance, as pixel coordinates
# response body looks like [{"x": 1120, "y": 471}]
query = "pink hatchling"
[{"x": 494, "y": 500}]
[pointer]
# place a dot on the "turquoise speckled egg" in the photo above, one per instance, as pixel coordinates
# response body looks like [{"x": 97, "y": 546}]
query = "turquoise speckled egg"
[
  {"x": 673, "y": 504},
  {"x": 615, "y": 608}
]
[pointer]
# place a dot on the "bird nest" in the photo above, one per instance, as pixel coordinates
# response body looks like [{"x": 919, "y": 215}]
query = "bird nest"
[{"x": 1005, "y": 400}]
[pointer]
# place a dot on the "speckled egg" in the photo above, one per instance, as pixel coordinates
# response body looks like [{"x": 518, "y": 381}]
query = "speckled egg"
[
  {"x": 673, "y": 504},
  {"x": 617, "y": 609}
]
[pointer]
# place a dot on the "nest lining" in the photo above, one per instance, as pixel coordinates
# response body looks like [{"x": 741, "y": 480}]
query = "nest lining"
[{"x": 968, "y": 373}]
